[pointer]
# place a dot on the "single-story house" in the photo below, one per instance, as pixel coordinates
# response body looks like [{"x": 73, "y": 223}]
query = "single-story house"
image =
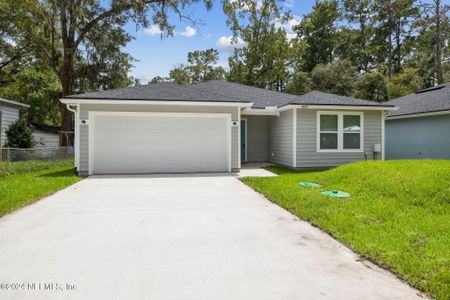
[
  {"x": 9, "y": 113},
  {"x": 420, "y": 128},
  {"x": 216, "y": 126},
  {"x": 45, "y": 136}
]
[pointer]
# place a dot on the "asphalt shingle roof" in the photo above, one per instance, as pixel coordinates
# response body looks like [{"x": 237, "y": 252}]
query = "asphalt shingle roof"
[
  {"x": 165, "y": 91},
  {"x": 433, "y": 99},
  {"x": 223, "y": 91},
  {"x": 319, "y": 98}
]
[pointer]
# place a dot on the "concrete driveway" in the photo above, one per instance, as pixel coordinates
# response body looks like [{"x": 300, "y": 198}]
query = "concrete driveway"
[{"x": 176, "y": 237}]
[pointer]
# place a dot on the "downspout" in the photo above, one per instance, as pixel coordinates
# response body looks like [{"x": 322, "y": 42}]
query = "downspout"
[{"x": 76, "y": 146}]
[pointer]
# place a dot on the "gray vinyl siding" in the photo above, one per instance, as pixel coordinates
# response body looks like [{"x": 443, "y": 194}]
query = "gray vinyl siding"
[
  {"x": 418, "y": 138},
  {"x": 281, "y": 138},
  {"x": 257, "y": 138},
  {"x": 307, "y": 155},
  {"x": 84, "y": 129},
  {"x": 9, "y": 115}
]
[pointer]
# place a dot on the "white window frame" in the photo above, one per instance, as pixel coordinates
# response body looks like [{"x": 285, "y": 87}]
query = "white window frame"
[{"x": 340, "y": 132}]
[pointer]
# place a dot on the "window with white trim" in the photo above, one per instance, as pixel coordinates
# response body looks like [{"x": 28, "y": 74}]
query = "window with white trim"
[{"x": 339, "y": 131}]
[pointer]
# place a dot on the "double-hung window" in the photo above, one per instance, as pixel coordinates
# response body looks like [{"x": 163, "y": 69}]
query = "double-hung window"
[{"x": 339, "y": 131}]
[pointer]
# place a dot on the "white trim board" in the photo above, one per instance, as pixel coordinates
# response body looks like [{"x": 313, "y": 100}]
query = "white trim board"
[
  {"x": 93, "y": 114},
  {"x": 154, "y": 102},
  {"x": 294, "y": 137},
  {"x": 335, "y": 107},
  {"x": 383, "y": 143}
]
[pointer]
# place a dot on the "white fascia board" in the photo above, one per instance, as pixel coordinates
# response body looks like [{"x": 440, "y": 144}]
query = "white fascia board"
[
  {"x": 14, "y": 103},
  {"x": 153, "y": 102},
  {"x": 260, "y": 112},
  {"x": 429, "y": 114},
  {"x": 335, "y": 107}
]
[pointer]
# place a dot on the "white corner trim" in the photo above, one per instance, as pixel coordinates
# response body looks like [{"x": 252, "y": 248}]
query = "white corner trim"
[
  {"x": 239, "y": 137},
  {"x": 93, "y": 114},
  {"x": 340, "y": 132},
  {"x": 383, "y": 136},
  {"x": 294, "y": 137}
]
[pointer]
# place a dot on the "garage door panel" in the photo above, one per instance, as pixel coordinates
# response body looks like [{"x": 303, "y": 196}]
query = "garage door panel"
[{"x": 149, "y": 144}]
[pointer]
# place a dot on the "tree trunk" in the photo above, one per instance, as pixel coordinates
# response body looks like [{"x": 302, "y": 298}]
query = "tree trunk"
[
  {"x": 438, "y": 53},
  {"x": 67, "y": 84},
  {"x": 390, "y": 40}
]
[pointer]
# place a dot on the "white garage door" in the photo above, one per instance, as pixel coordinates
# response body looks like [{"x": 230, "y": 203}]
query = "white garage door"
[{"x": 158, "y": 143}]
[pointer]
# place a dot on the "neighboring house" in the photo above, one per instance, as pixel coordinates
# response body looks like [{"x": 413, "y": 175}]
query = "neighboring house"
[
  {"x": 9, "y": 113},
  {"x": 420, "y": 128},
  {"x": 45, "y": 136},
  {"x": 216, "y": 126}
]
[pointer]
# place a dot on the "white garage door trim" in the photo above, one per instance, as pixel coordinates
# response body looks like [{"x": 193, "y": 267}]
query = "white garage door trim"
[{"x": 93, "y": 114}]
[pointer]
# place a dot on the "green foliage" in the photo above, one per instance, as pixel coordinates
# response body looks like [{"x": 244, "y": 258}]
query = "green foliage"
[
  {"x": 180, "y": 74},
  {"x": 262, "y": 58},
  {"x": 404, "y": 83},
  {"x": 38, "y": 86},
  {"x": 19, "y": 135},
  {"x": 202, "y": 66},
  {"x": 389, "y": 219},
  {"x": 336, "y": 78},
  {"x": 318, "y": 32},
  {"x": 299, "y": 84},
  {"x": 371, "y": 86}
]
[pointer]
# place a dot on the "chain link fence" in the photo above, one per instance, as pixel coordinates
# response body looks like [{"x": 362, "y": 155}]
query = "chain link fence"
[{"x": 16, "y": 160}]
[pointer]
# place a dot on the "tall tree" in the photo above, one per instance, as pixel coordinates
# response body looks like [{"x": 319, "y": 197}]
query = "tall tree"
[
  {"x": 336, "y": 78},
  {"x": 263, "y": 56},
  {"x": 316, "y": 34},
  {"x": 78, "y": 19},
  {"x": 359, "y": 13},
  {"x": 395, "y": 33},
  {"x": 435, "y": 35},
  {"x": 201, "y": 66}
]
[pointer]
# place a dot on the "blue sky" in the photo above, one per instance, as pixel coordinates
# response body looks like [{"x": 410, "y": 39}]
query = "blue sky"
[{"x": 157, "y": 57}]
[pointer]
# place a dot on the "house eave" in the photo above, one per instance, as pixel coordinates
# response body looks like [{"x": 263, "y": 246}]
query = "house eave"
[
  {"x": 418, "y": 115},
  {"x": 336, "y": 107},
  {"x": 13, "y": 103},
  {"x": 153, "y": 102}
]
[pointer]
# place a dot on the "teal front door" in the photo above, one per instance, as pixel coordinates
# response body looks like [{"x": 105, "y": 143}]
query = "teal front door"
[{"x": 243, "y": 140}]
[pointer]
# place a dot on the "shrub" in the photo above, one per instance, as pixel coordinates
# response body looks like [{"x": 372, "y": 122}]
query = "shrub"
[{"x": 20, "y": 135}]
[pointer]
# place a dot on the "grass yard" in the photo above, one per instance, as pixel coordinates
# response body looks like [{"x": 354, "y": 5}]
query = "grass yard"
[
  {"x": 24, "y": 188},
  {"x": 398, "y": 215}
]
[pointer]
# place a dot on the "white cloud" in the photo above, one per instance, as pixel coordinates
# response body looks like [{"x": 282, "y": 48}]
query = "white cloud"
[
  {"x": 223, "y": 64},
  {"x": 226, "y": 43},
  {"x": 291, "y": 36},
  {"x": 188, "y": 32},
  {"x": 153, "y": 30},
  {"x": 288, "y": 26},
  {"x": 289, "y": 3}
]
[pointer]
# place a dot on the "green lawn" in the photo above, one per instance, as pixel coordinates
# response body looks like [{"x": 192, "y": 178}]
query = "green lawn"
[
  {"x": 398, "y": 215},
  {"x": 21, "y": 189}
]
